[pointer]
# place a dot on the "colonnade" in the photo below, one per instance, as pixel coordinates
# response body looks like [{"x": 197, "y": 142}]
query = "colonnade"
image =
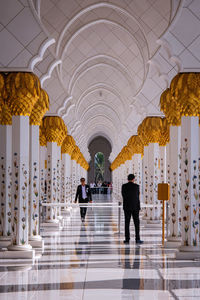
[
  {"x": 39, "y": 162},
  {"x": 169, "y": 153}
]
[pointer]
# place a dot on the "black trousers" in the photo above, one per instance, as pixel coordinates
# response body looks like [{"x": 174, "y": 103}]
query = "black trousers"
[
  {"x": 83, "y": 210},
  {"x": 136, "y": 220}
]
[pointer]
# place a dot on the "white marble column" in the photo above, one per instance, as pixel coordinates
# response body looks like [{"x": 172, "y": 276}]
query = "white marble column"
[
  {"x": 74, "y": 179},
  {"x": 58, "y": 167},
  {"x": 79, "y": 171},
  {"x": 168, "y": 163},
  {"x": 34, "y": 235},
  {"x": 174, "y": 237},
  {"x": 153, "y": 179},
  {"x": 189, "y": 188},
  {"x": 129, "y": 167},
  {"x": 43, "y": 171},
  {"x": 20, "y": 187},
  {"x": 52, "y": 150},
  {"x": 5, "y": 184},
  {"x": 146, "y": 183},
  {"x": 137, "y": 171},
  {"x": 66, "y": 172},
  {"x": 137, "y": 168},
  {"x": 163, "y": 164}
]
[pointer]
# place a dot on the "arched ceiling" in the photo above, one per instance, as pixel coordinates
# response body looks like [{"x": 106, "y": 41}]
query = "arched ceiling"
[
  {"x": 104, "y": 48},
  {"x": 104, "y": 64}
]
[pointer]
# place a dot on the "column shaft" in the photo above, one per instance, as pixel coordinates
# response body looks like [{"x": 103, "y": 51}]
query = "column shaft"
[
  {"x": 52, "y": 181},
  {"x": 189, "y": 181},
  {"x": 146, "y": 182},
  {"x": 5, "y": 184},
  {"x": 153, "y": 179},
  {"x": 34, "y": 234},
  {"x": 175, "y": 188},
  {"x": 20, "y": 180}
]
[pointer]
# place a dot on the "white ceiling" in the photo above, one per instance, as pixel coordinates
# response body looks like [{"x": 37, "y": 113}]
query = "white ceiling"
[{"x": 103, "y": 64}]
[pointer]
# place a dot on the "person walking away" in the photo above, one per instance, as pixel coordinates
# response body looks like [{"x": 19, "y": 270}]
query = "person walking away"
[
  {"x": 131, "y": 207},
  {"x": 92, "y": 187},
  {"x": 83, "y": 194}
]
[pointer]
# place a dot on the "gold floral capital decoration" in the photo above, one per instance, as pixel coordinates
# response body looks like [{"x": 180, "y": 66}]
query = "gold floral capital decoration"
[
  {"x": 68, "y": 145},
  {"x": 39, "y": 109},
  {"x": 23, "y": 91},
  {"x": 42, "y": 137},
  {"x": 135, "y": 145},
  {"x": 6, "y": 117},
  {"x": 2, "y": 93},
  {"x": 185, "y": 91},
  {"x": 55, "y": 129},
  {"x": 170, "y": 108},
  {"x": 164, "y": 133},
  {"x": 75, "y": 153},
  {"x": 152, "y": 129},
  {"x": 126, "y": 153}
]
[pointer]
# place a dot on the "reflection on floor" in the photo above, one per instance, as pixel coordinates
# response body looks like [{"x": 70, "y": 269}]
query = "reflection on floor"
[{"x": 89, "y": 261}]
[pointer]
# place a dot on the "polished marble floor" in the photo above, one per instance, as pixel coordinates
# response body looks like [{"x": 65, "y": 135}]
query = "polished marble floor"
[{"x": 88, "y": 261}]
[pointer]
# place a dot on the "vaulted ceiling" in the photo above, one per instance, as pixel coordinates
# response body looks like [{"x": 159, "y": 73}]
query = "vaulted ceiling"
[{"x": 103, "y": 64}]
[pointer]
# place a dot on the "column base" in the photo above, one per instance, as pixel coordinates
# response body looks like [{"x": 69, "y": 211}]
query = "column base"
[
  {"x": 143, "y": 222},
  {"x": 153, "y": 223},
  {"x": 59, "y": 218},
  {"x": 51, "y": 223},
  {"x": 172, "y": 242},
  {"x": 5, "y": 241},
  {"x": 63, "y": 209},
  {"x": 188, "y": 252},
  {"x": 67, "y": 211},
  {"x": 36, "y": 241},
  {"x": 18, "y": 251}
]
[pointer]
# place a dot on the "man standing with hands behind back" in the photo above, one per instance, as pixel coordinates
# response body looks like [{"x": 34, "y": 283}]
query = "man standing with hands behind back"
[
  {"x": 131, "y": 206},
  {"x": 83, "y": 193}
]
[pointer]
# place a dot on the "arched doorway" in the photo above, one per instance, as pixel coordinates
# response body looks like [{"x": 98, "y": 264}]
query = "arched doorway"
[{"x": 99, "y": 148}]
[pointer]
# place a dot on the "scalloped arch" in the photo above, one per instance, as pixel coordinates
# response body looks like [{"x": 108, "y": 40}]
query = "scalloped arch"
[
  {"x": 104, "y": 21},
  {"x": 95, "y": 6},
  {"x": 121, "y": 69}
]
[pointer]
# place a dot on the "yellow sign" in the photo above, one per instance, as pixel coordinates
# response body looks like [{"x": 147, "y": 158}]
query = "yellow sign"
[{"x": 163, "y": 191}]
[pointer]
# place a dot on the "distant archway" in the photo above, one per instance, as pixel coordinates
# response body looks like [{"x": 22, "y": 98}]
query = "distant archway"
[
  {"x": 99, "y": 167},
  {"x": 100, "y": 148}
]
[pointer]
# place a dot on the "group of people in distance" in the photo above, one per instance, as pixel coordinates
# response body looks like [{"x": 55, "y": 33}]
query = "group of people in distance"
[
  {"x": 104, "y": 187},
  {"x": 131, "y": 204}
]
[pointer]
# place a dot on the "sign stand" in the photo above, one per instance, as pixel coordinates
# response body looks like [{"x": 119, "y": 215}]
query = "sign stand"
[{"x": 163, "y": 195}]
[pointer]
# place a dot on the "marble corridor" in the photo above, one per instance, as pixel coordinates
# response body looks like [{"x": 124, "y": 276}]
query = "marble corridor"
[{"x": 89, "y": 261}]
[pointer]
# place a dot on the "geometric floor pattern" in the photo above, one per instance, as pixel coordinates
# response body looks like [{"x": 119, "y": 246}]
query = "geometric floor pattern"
[{"x": 90, "y": 262}]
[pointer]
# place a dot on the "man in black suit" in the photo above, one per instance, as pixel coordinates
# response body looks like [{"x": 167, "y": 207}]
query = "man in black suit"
[
  {"x": 83, "y": 193},
  {"x": 131, "y": 206}
]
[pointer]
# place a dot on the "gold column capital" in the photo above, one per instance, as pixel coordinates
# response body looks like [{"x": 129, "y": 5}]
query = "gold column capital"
[
  {"x": 42, "y": 138},
  {"x": 150, "y": 130},
  {"x": 6, "y": 117},
  {"x": 171, "y": 108},
  {"x": 135, "y": 145},
  {"x": 68, "y": 145},
  {"x": 40, "y": 108},
  {"x": 55, "y": 129},
  {"x": 23, "y": 91},
  {"x": 185, "y": 91}
]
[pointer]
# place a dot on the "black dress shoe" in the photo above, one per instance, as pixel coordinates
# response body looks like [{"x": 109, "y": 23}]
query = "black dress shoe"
[
  {"x": 126, "y": 241},
  {"x": 139, "y": 242}
]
